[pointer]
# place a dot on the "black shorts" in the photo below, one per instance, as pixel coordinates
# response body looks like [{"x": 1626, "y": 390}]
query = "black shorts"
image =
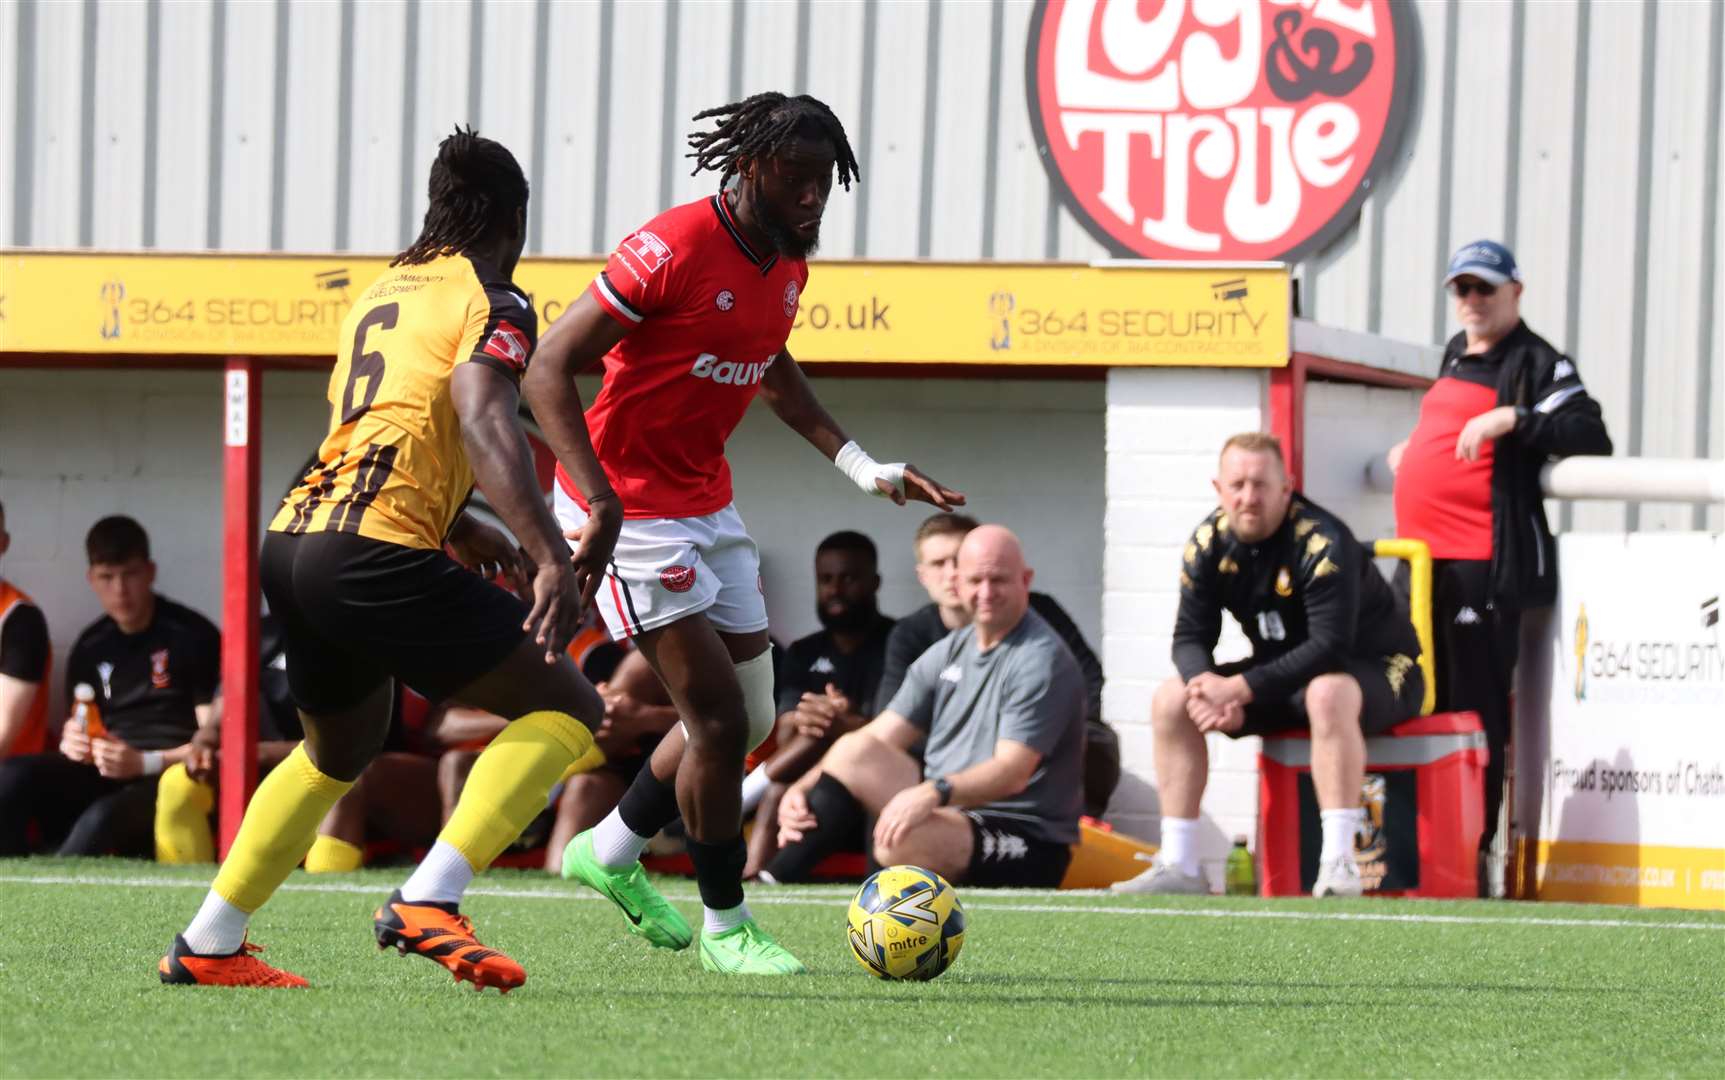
[
  {"x": 1003, "y": 854},
  {"x": 356, "y": 611},
  {"x": 1381, "y": 706}
]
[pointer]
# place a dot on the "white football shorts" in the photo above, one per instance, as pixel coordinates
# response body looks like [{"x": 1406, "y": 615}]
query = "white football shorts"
[{"x": 665, "y": 569}]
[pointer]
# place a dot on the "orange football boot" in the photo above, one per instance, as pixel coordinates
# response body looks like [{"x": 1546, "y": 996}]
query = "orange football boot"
[
  {"x": 183, "y": 967},
  {"x": 439, "y": 932}
]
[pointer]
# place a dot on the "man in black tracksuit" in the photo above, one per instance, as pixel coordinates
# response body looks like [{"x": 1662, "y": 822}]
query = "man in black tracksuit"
[
  {"x": 1332, "y": 652},
  {"x": 1467, "y": 483}
]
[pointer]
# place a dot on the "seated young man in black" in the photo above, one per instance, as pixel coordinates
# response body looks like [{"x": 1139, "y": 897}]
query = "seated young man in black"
[{"x": 154, "y": 666}]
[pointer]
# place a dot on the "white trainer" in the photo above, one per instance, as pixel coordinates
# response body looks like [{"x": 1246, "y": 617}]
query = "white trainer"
[
  {"x": 1338, "y": 877},
  {"x": 1163, "y": 879}
]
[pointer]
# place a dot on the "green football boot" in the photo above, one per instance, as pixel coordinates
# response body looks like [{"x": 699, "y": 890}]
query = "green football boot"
[
  {"x": 649, "y": 915},
  {"x": 747, "y": 950}
]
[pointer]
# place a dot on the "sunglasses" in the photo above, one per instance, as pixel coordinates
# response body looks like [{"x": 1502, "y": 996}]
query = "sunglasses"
[{"x": 1462, "y": 288}]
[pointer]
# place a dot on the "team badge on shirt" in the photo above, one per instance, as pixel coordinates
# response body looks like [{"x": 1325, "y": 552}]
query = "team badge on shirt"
[
  {"x": 508, "y": 344},
  {"x": 677, "y": 579},
  {"x": 726, "y": 300},
  {"x": 647, "y": 251},
  {"x": 159, "y": 669},
  {"x": 1284, "y": 583},
  {"x": 790, "y": 299}
]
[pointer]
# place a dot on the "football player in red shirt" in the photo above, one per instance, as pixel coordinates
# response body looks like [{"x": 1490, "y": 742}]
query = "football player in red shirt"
[{"x": 690, "y": 316}]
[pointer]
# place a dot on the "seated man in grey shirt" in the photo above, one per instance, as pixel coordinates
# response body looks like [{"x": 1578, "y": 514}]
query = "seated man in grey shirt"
[{"x": 996, "y": 799}]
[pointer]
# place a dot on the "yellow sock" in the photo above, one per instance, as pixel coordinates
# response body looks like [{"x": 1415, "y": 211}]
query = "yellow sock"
[
  {"x": 278, "y": 830},
  {"x": 511, "y": 781},
  {"x": 183, "y": 808},
  {"x": 333, "y": 855},
  {"x": 586, "y": 763}
]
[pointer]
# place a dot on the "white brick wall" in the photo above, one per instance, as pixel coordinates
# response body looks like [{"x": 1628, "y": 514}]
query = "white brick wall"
[
  {"x": 1348, "y": 426},
  {"x": 1164, "y": 428}
]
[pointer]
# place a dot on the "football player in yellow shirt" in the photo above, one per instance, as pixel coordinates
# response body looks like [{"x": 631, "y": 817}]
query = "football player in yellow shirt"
[{"x": 423, "y": 403}]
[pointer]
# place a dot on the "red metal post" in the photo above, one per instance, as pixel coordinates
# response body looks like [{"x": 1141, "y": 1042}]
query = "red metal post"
[
  {"x": 1288, "y": 414},
  {"x": 242, "y": 444}
]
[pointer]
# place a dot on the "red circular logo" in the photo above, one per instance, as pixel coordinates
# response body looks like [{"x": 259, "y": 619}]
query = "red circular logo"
[
  {"x": 790, "y": 299},
  {"x": 1218, "y": 129},
  {"x": 677, "y": 578}
]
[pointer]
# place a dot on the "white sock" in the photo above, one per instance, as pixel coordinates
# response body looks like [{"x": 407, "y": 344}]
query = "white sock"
[
  {"x": 441, "y": 879},
  {"x": 755, "y": 785},
  {"x": 616, "y": 845},
  {"x": 1180, "y": 844},
  {"x": 1339, "y": 829},
  {"x": 217, "y": 929},
  {"x": 717, "y": 920}
]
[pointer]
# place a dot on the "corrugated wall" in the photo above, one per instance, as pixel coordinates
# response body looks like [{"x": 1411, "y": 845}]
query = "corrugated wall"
[{"x": 1586, "y": 134}]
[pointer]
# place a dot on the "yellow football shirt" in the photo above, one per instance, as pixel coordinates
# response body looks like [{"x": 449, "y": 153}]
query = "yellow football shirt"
[{"x": 393, "y": 466}]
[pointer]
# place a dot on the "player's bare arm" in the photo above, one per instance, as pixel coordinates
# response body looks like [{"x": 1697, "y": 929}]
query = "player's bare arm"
[
  {"x": 15, "y": 698},
  {"x": 788, "y": 393},
  {"x": 572, "y": 344},
  {"x": 486, "y": 402}
]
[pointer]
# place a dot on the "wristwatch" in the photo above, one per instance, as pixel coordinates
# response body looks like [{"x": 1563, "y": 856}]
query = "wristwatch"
[{"x": 943, "y": 788}]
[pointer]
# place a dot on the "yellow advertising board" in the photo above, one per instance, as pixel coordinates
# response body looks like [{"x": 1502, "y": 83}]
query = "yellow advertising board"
[
  {"x": 1000, "y": 314},
  {"x": 1646, "y": 875}
]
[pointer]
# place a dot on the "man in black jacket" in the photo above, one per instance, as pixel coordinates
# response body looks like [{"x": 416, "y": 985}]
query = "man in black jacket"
[
  {"x": 1332, "y": 652},
  {"x": 1467, "y": 483}
]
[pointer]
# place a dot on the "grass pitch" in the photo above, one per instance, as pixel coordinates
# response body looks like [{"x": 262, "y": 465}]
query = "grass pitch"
[{"x": 1048, "y": 985}]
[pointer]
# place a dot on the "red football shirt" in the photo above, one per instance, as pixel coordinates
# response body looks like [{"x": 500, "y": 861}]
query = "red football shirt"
[
  {"x": 706, "y": 316},
  {"x": 1439, "y": 499}
]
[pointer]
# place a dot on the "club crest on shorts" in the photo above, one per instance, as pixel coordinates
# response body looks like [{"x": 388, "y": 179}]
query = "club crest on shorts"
[
  {"x": 726, "y": 300},
  {"x": 677, "y": 579},
  {"x": 790, "y": 299}
]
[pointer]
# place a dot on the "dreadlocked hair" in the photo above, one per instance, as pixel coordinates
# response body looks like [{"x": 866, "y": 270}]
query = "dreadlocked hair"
[
  {"x": 759, "y": 126},
  {"x": 476, "y": 188}
]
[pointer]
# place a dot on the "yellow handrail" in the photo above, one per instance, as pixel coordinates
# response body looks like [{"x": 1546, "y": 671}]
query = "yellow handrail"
[{"x": 1418, "y": 556}]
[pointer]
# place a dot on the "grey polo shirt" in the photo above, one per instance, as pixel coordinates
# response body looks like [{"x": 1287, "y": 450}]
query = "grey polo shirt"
[{"x": 1028, "y": 689}]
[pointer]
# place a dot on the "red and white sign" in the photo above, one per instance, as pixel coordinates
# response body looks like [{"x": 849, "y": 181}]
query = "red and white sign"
[
  {"x": 1238, "y": 130},
  {"x": 508, "y": 344}
]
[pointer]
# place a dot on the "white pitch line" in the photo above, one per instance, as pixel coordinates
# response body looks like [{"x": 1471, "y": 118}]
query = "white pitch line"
[{"x": 806, "y": 900}]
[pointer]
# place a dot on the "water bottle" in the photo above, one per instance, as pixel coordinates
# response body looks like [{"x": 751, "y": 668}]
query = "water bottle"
[
  {"x": 85, "y": 713},
  {"x": 1240, "y": 875}
]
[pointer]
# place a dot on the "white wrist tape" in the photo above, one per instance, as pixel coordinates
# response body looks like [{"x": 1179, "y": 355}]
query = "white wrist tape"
[
  {"x": 854, "y": 462},
  {"x": 153, "y": 763}
]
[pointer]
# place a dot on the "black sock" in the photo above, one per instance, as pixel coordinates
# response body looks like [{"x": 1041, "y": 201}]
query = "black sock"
[
  {"x": 837, "y": 813},
  {"x": 649, "y": 804},
  {"x": 719, "y": 871}
]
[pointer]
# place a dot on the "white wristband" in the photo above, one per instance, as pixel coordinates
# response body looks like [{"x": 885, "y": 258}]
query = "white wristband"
[
  {"x": 854, "y": 462},
  {"x": 153, "y": 763}
]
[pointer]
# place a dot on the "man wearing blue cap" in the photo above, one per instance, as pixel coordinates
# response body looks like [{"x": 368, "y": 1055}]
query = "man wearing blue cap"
[{"x": 1467, "y": 483}]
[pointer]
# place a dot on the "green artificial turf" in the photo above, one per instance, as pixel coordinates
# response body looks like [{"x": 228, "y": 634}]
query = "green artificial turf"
[{"x": 1065, "y": 985}]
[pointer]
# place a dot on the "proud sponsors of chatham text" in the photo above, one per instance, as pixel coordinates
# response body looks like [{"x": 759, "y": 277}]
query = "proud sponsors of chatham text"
[{"x": 1691, "y": 779}]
